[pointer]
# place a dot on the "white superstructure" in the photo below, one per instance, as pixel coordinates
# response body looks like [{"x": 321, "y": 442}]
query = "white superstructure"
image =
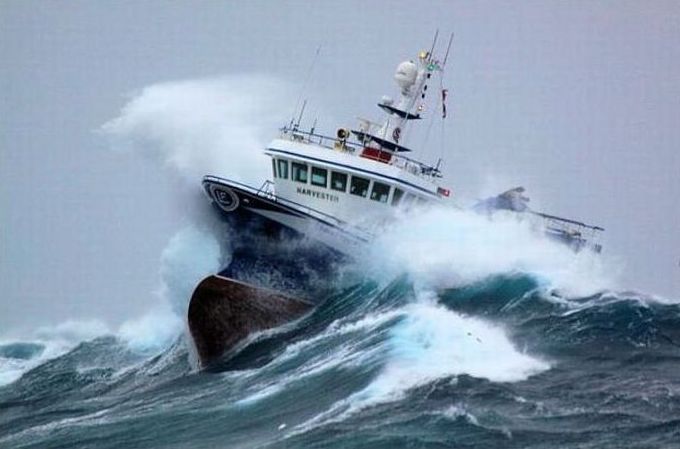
[
  {"x": 361, "y": 176},
  {"x": 341, "y": 190}
]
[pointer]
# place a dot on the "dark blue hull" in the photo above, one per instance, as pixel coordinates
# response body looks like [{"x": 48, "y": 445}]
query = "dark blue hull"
[{"x": 266, "y": 253}]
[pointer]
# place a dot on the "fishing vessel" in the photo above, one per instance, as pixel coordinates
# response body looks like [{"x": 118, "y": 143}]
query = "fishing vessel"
[
  {"x": 333, "y": 194},
  {"x": 339, "y": 189}
]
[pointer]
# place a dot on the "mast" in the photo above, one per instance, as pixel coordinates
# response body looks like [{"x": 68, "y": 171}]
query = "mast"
[{"x": 412, "y": 78}]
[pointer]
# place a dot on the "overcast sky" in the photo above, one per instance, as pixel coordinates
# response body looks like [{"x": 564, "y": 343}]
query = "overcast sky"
[{"x": 578, "y": 101}]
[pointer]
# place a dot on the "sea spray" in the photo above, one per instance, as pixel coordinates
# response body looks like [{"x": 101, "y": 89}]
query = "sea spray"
[
  {"x": 45, "y": 343},
  {"x": 448, "y": 247},
  {"x": 191, "y": 255},
  {"x": 213, "y": 126},
  {"x": 193, "y": 128}
]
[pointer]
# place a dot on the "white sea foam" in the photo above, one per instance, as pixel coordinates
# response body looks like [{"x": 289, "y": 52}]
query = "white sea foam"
[
  {"x": 191, "y": 254},
  {"x": 210, "y": 126},
  {"x": 455, "y": 412},
  {"x": 347, "y": 355},
  {"x": 152, "y": 332},
  {"x": 55, "y": 340},
  {"x": 447, "y": 247},
  {"x": 342, "y": 326},
  {"x": 431, "y": 343},
  {"x": 72, "y": 331},
  {"x": 196, "y": 127}
]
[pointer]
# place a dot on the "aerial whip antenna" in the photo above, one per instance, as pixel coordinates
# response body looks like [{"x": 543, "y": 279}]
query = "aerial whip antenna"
[
  {"x": 444, "y": 94},
  {"x": 302, "y": 111},
  {"x": 304, "y": 85},
  {"x": 448, "y": 48},
  {"x": 434, "y": 41}
]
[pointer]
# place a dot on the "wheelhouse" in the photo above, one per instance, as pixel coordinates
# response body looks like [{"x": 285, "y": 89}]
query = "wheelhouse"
[
  {"x": 361, "y": 176},
  {"x": 337, "y": 181},
  {"x": 353, "y": 188}
]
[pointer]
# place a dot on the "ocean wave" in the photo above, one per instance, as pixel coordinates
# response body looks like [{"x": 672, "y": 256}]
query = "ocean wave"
[
  {"x": 487, "y": 359},
  {"x": 409, "y": 350}
]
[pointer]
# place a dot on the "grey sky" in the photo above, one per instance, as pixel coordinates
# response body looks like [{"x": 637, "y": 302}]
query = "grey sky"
[{"x": 578, "y": 101}]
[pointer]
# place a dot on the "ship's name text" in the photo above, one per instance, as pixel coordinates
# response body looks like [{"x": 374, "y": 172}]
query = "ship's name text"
[{"x": 316, "y": 194}]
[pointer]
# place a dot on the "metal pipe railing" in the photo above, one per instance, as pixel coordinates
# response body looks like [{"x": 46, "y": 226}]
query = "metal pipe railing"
[{"x": 405, "y": 163}]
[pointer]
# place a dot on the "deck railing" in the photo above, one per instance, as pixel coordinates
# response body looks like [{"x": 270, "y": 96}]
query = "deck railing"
[{"x": 333, "y": 143}]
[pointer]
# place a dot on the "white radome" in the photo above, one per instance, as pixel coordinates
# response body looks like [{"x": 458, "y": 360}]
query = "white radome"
[{"x": 406, "y": 75}]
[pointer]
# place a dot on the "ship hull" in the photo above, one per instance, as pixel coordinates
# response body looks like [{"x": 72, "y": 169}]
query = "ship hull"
[
  {"x": 223, "y": 313},
  {"x": 265, "y": 214},
  {"x": 283, "y": 260}
]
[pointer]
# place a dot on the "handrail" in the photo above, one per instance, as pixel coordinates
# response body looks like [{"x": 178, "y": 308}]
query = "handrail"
[
  {"x": 265, "y": 193},
  {"x": 266, "y": 189},
  {"x": 566, "y": 220},
  {"x": 296, "y": 134},
  {"x": 410, "y": 165}
]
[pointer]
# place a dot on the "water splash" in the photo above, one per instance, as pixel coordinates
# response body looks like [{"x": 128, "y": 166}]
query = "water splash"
[
  {"x": 45, "y": 343},
  {"x": 211, "y": 126},
  {"x": 447, "y": 247}
]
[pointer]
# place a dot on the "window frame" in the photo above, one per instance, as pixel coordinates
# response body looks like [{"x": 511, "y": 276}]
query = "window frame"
[
  {"x": 361, "y": 179},
  {"x": 282, "y": 163},
  {"x": 325, "y": 177},
  {"x": 301, "y": 168},
  {"x": 345, "y": 181},
  {"x": 379, "y": 199}
]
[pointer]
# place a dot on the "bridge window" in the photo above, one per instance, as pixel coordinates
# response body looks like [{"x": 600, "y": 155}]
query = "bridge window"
[
  {"x": 359, "y": 186},
  {"x": 283, "y": 168},
  {"x": 396, "y": 198},
  {"x": 273, "y": 167},
  {"x": 380, "y": 192},
  {"x": 319, "y": 176},
  {"x": 338, "y": 181},
  {"x": 299, "y": 172}
]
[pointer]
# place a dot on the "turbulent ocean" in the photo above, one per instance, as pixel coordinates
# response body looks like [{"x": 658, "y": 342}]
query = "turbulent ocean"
[
  {"x": 449, "y": 331},
  {"x": 445, "y": 342}
]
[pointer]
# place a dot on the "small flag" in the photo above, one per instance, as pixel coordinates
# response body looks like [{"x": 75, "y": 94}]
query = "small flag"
[
  {"x": 444, "y": 93},
  {"x": 434, "y": 65},
  {"x": 443, "y": 192}
]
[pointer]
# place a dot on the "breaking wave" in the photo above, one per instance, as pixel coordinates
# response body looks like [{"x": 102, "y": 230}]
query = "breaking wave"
[
  {"x": 450, "y": 331},
  {"x": 447, "y": 247},
  {"x": 495, "y": 362}
]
